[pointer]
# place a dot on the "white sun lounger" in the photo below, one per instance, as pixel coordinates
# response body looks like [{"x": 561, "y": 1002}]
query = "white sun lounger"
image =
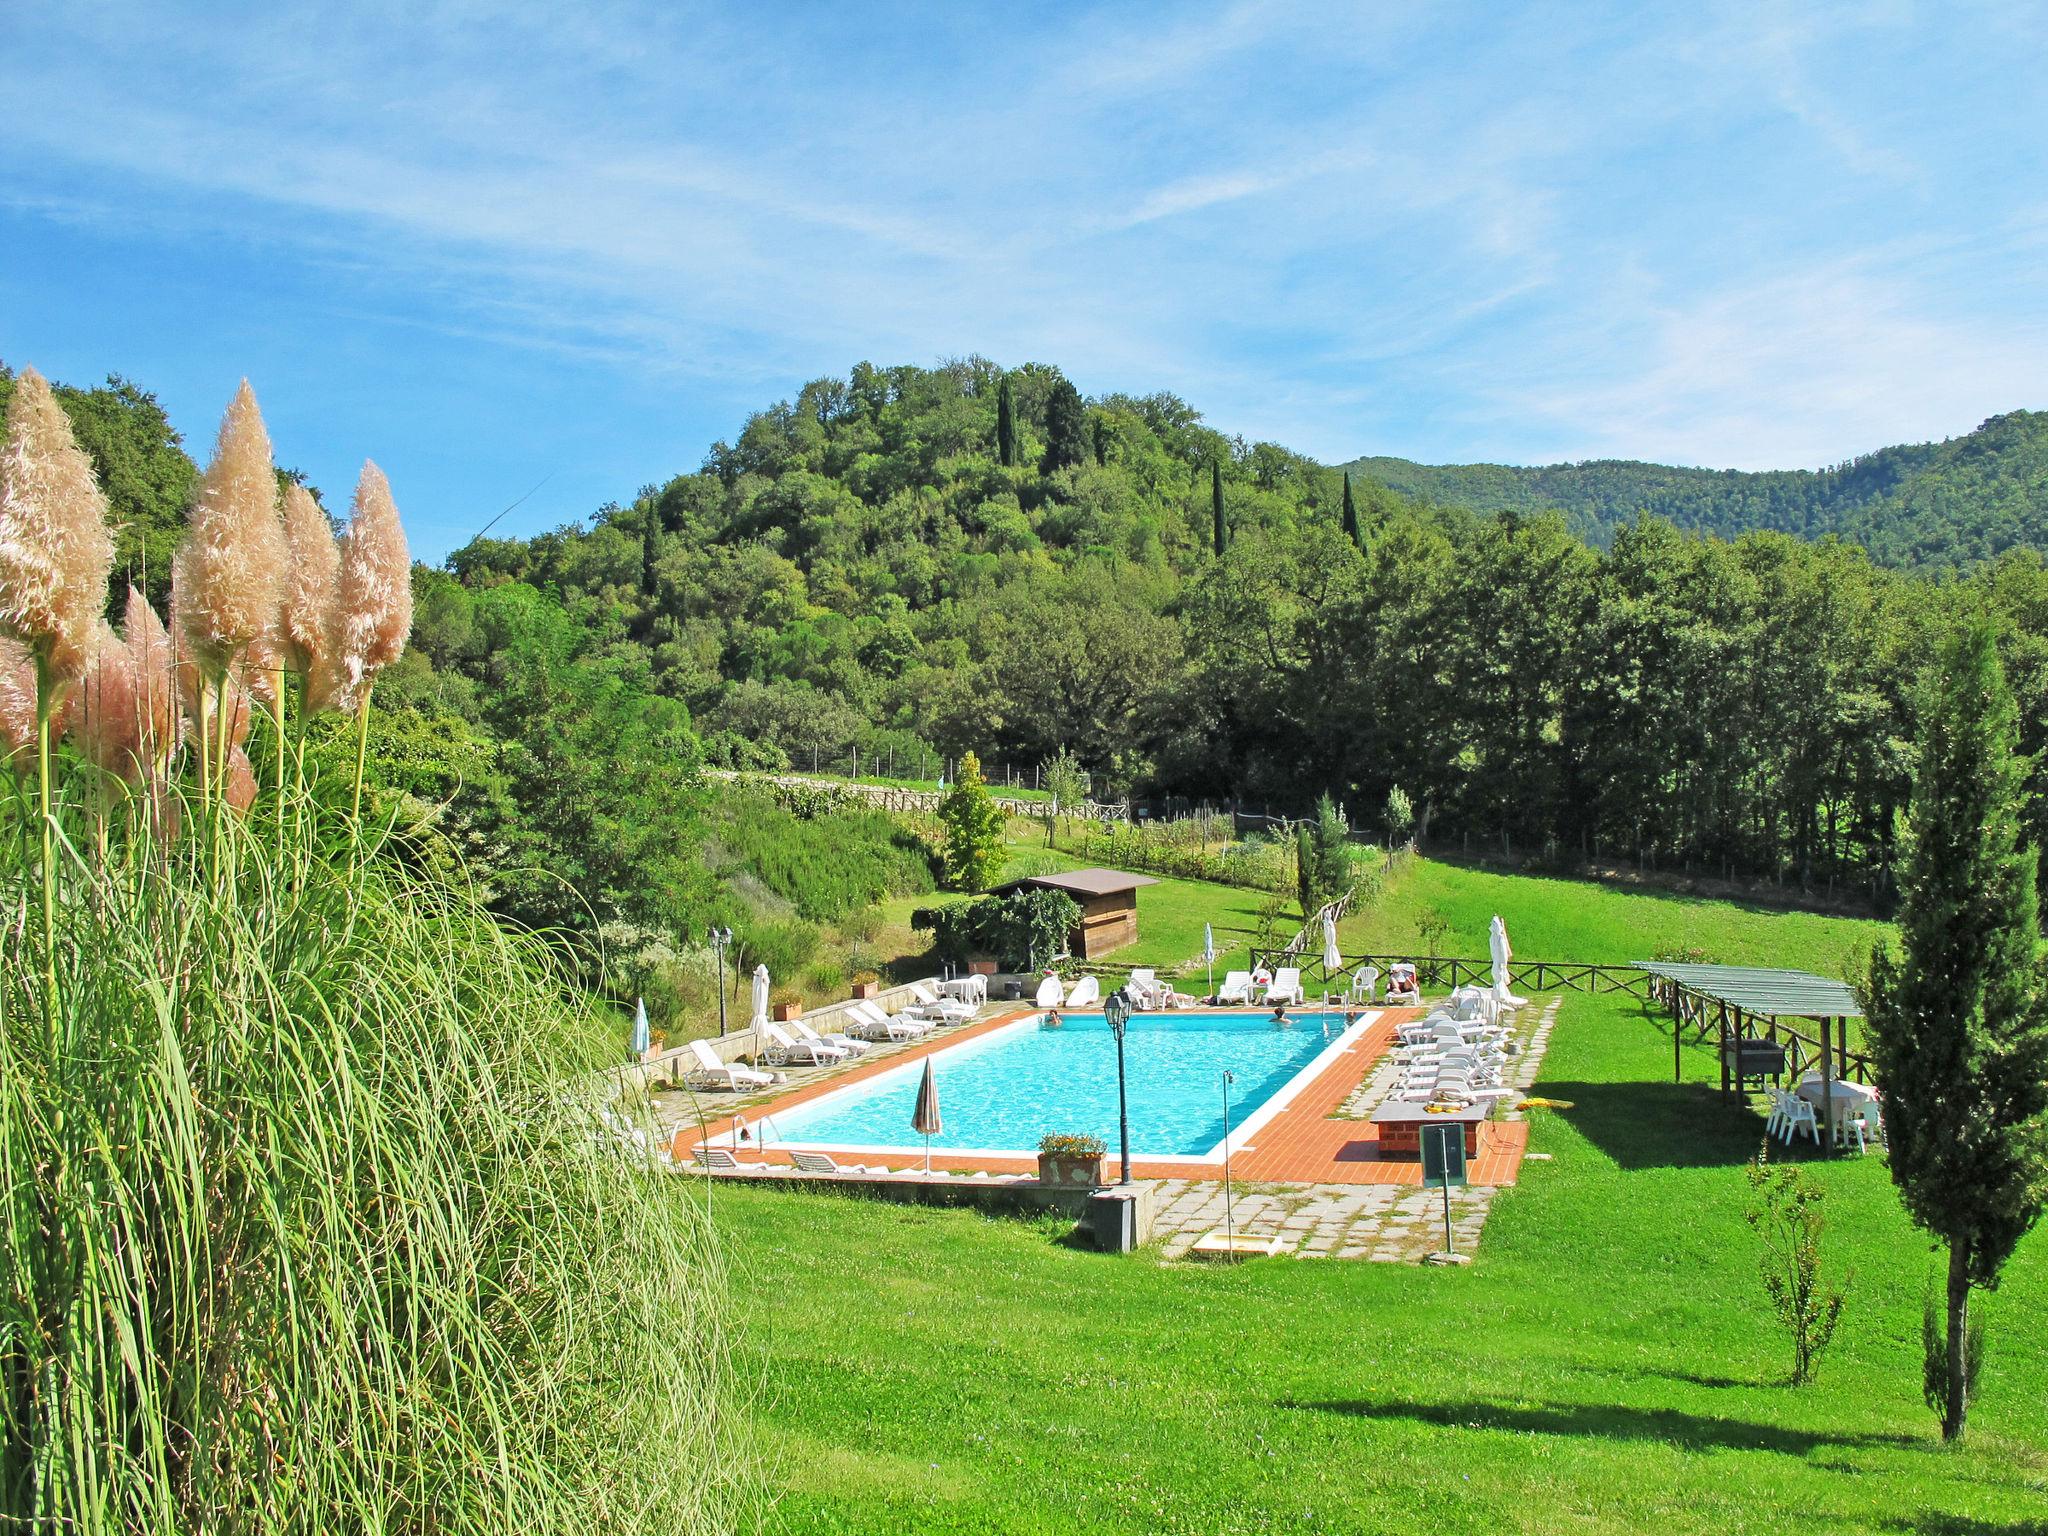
[
  {"x": 1145, "y": 989},
  {"x": 822, "y": 1162},
  {"x": 718, "y": 1160},
  {"x": 1286, "y": 986},
  {"x": 846, "y": 1043},
  {"x": 785, "y": 1051},
  {"x": 1050, "y": 993},
  {"x": 946, "y": 1010},
  {"x": 870, "y": 1023},
  {"x": 1236, "y": 988},
  {"x": 1087, "y": 990},
  {"x": 710, "y": 1072}
]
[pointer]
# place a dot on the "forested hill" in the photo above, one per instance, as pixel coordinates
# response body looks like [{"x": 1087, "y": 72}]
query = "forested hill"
[
  {"x": 917, "y": 562},
  {"x": 1952, "y": 503}
]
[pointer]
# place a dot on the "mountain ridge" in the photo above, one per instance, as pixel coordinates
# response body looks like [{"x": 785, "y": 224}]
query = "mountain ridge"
[{"x": 1937, "y": 504}]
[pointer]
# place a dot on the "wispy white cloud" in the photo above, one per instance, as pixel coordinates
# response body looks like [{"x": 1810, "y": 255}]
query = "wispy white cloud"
[{"x": 1451, "y": 231}]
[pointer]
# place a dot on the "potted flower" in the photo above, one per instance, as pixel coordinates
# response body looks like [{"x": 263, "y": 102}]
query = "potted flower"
[{"x": 1072, "y": 1162}]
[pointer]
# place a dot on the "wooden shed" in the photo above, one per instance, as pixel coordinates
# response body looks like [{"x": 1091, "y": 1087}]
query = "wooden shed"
[{"x": 1108, "y": 899}]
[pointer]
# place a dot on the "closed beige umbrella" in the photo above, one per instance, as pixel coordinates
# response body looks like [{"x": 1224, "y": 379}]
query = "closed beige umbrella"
[{"x": 924, "y": 1119}]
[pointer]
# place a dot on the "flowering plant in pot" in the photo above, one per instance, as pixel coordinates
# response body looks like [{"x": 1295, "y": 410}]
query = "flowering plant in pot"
[{"x": 1072, "y": 1162}]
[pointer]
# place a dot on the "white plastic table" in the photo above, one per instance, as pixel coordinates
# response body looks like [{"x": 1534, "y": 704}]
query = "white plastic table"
[
  {"x": 969, "y": 989},
  {"x": 1849, "y": 1098}
]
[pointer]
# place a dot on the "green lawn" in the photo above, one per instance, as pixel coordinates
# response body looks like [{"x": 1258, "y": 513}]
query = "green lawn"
[
  {"x": 1580, "y": 920},
  {"x": 1608, "y": 1365}
]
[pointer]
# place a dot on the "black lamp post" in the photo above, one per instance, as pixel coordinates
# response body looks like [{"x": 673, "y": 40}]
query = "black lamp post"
[
  {"x": 721, "y": 938},
  {"x": 1116, "y": 1008}
]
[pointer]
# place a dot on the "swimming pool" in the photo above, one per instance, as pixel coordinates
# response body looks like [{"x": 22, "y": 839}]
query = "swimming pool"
[{"x": 1000, "y": 1092}]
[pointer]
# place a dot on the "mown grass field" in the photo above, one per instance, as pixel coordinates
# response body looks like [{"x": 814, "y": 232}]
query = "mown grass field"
[
  {"x": 1578, "y": 920},
  {"x": 1608, "y": 1365}
]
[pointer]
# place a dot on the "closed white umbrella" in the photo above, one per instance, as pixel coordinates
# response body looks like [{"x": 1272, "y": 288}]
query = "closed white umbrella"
[
  {"x": 924, "y": 1118},
  {"x": 760, "y": 1006},
  {"x": 1497, "y": 940},
  {"x": 642, "y": 1038},
  {"x": 1333, "y": 959},
  {"x": 1209, "y": 955}
]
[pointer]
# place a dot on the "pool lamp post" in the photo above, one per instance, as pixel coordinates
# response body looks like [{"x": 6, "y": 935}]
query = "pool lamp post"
[
  {"x": 1116, "y": 1008},
  {"x": 721, "y": 940}
]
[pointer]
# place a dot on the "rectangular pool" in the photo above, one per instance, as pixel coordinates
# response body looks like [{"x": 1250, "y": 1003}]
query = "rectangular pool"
[{"x": 1000, "y": 1092}]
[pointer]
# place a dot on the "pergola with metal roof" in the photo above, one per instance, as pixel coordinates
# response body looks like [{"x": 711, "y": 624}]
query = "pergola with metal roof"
[{"x": 1748, "y": 1007}]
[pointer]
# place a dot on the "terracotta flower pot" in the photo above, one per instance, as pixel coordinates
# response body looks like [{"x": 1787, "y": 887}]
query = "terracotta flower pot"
[
  {"x": 785, "y": 1013},
  {"x": 1073, "y": 1172}
]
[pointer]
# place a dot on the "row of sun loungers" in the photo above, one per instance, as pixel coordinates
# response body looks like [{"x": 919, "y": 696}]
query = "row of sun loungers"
[
  {"x": 800, "y": 1045},
  {"x": 720, "y": 1160},
  {"x": 1285, "y": 987}
]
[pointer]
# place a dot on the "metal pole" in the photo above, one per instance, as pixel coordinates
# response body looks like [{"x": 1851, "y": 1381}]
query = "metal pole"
[
  {"x": 1123, "y": 1113},
  {"x": 1229, "y": 1224},
  {"x": 1445, "y": 1149}
]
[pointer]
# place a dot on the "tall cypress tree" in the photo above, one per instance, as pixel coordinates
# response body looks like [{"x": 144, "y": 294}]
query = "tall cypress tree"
[
  {"x": 1006, "y": 425},
  {"x": 650, "y": 549},
  {"x": 1351, "y": 529},
  {"x": 1101, "y": 442},
  {"x": 1216, "y": 506},
  {"x": 1066, "y": 425},
  {"x": 1958, "y": 1020}
]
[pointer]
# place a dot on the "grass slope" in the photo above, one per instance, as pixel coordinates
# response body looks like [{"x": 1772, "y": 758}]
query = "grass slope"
[
  {"x": 1579, "y": 920},
  {"x": 1608, "y": 1366}
]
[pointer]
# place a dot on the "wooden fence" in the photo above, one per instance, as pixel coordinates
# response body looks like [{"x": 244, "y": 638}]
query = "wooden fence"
[
  {"x": 1526, "y": 975},
  {"x": 925, "y": 802}
]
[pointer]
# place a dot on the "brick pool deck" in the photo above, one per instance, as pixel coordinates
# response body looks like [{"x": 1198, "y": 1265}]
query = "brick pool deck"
[{"x": 1311, "y": 1141}]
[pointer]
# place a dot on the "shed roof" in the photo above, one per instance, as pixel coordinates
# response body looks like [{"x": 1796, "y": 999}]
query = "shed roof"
[
  {"x": 1084, "y": 882},
  {"x": 1768, "y": 993}
]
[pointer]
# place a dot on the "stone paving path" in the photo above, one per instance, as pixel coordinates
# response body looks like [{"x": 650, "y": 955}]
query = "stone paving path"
[{"x": 1382, "y": 1223}]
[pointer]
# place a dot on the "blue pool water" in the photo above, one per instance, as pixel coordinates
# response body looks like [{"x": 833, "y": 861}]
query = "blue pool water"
[{"x": 1004, "y": 1091}]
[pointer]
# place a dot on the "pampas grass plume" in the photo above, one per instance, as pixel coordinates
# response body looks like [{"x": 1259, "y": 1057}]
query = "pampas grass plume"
[
  {"x": 234, "y": 556},
  {"x": 241, "y": 781},
  {"x": 375, "y": 592},
  {"x": 160, "y": 724},
  {"x": 107, "y": 719},
  {"x": 17, "y": 705},
  {"x": 311, "y": 582},
  {"x": 55, "y": 550}
]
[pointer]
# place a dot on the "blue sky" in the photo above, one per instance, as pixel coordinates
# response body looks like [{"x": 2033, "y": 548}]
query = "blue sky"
[{"x": 510, "y": 244}]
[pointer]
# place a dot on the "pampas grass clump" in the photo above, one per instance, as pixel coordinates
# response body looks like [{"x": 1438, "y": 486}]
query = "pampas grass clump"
[
  {"x": 311, "y": 1225},
  {"x": 313, "y": 1215}
]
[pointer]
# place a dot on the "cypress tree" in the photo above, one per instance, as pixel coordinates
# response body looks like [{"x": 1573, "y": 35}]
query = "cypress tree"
[
  {"x": 1006, "y": 425},
  {"x": 1101, "y": 443},
  {"x": 1216, "y": 506},
  {"x": 1958, "y": 1020},
  {"x": 650, "y": 550},
  {"x": 1351, "y": 528},
  {"x": 1066, "y": 428}
]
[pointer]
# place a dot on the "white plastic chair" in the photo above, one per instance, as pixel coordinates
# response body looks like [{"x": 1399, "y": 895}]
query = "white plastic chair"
[{"x": 1799, "y": 1116}]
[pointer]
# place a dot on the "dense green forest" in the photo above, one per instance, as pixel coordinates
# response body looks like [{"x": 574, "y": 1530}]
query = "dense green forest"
[
  {"x": 1917, "y": 505},
  {"x": 917, "y": 562}
]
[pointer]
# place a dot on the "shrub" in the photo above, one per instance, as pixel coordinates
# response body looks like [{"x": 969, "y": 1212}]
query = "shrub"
[
  {"x": 826, "y": 860},
  {"x": 1067, "y": 1144},
  {"x": 1024, "y": 929},
  {"x": 1786, "y": 1213},
  {"x": 781, "y": 946}
]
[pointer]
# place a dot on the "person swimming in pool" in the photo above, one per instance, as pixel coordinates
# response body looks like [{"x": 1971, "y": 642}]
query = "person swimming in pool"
[{"x": 1280, "y": 1014}]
